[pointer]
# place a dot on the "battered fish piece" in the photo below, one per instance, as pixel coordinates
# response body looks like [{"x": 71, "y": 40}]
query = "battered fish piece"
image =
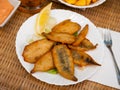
[
  {"x": 77, "y": 48},
  {"x": 64, "y": 62},
  {"x": 66, "y": 26},
  {"x": 60, "y": 37},
  {"x": 83, "y": 59},
  {"x": 44, "y": 63},
  {"x": 81, "y": 36},
  {"x": 35, "y": 50},
  {"x": 85, "y": 45}
]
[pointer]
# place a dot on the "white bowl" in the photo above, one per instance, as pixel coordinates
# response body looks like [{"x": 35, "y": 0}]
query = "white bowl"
[
  {"x": 15, "y": 4},
  {"x": 83, "y": 7}
]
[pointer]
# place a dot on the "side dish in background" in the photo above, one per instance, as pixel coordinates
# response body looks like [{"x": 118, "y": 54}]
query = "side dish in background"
[
  {"x": 7, "y": 9},
  {"x": 31, "y": 6},
  {"x": 80, "y": 2}
]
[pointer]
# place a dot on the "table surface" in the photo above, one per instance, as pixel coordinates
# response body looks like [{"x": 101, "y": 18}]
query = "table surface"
[{"x": 14, "y": 77}]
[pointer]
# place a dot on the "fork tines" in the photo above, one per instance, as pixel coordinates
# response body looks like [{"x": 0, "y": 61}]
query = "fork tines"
[{"x": 107, "y": 38}]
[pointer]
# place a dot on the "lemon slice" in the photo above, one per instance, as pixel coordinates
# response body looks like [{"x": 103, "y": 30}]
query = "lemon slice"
[{"x": 42, "y": 19}]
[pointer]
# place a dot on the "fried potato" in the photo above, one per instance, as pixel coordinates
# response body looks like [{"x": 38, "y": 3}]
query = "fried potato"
[
  {"x": 81, "y": 36},
  {"x": 44, "y": 63},
  {"x": 87, "y": 44},
  {"x": 71, "y": 1},
  {"x": 63, "y": 61},
  {"x": 81, "y": 3},
  {"x": 60, "y": 37},
  {"x": 94, "y": 1},
  {"x": 83, "y": 59},
  {"x": 35, "y": 50},
  {"x": 66, "y": 26},
  {"x": 88, "y": 2}
]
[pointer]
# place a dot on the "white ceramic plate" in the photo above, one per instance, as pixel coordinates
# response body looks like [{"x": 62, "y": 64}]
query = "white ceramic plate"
[
  {"x": 27, "y": 30},
  {"x": 15, "y": 4},
  {"x": 83, "y": 7}
]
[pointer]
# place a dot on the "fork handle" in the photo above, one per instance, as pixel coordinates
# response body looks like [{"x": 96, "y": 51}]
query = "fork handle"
[{"x": 116, "y": 65}]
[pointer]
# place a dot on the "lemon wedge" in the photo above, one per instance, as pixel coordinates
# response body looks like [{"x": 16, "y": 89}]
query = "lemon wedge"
[{"x": 42, "y": 19}]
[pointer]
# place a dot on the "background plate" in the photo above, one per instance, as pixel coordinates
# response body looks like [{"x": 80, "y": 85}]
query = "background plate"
[
  {"x": 27, "y": 30},
  {"x": 99, "y": 2}
]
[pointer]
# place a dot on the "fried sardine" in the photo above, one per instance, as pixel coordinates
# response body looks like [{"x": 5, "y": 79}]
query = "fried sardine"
[
  {"x": 83, "y": 59},
  {"x": 77, "y": 48},
  {"x": 44, "y": 63},
  {"x": 60, "y": 37},
  {"x": 63, "y": 61},
  {"x": 35, "y": 50},
  {"x": 66, "y": 26},
  {"x": 81, "y": 36},
  {"x": 85, "y": 45}
]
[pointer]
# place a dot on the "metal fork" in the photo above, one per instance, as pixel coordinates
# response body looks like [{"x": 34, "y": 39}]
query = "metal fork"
[{"x": 108, "y": 43}]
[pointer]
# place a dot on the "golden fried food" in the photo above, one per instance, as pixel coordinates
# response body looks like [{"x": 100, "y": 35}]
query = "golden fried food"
[
  {"x": 94, "y": 1},
  {"x": 63, "y": 61},
  {"x": 71, "y": 1},
  {"x": 35, "y": 50},
  {"x": 81, "y": 36},
  {"x": 85, "y": 45},
  {"x": 44, "y": 63},
  {"x": 62, "y": 48},
  {"x": 81, "y": 2},
  {"x": 60, "y": 37},
  {"x": 83, "y": 59},
  {"x": 88, "y": 2},
  {"x": 66, "y": 26},
  {"x": 77, "y": 48}
]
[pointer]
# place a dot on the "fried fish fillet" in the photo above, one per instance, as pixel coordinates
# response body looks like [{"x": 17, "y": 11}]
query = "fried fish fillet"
[
  {"x": 66, "y": 26},
  {"x": 35, "y": 50},
  {"x": 64, "y": 62},
  {"x": 77, "y": 48},
  {"x": 83, "y": 59},
  {"x": 44, "y": 63},
  {"x": 81, "y": 36},
  {"x": 85, "y": 45},
  {"x": 60, "y": 37}
]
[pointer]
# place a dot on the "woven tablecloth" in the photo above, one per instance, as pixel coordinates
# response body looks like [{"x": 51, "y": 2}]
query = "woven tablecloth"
[{"x": 14, "y": 77}]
